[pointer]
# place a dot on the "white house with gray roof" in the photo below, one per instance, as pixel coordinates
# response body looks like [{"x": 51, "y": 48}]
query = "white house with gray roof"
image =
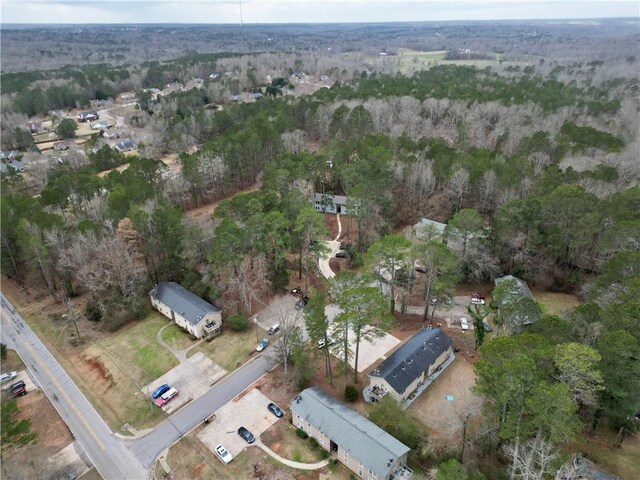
[
  {"x": 406, "y": 369},
  {"x": 187, "y": 310},
  {"x": 360, "y": 445},
  {"x": 328, "y": 203}
]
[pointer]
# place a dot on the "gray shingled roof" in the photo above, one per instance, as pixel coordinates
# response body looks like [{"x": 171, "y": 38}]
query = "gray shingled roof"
[
  {"x": 182, "y": 301},
  {"x": 523, "y": 288},
  {"x": 424, "y": 222},
  {"x": 368, "y": 443},
  {"x": 408, "y": 362},
  {"x": 336, "y": 199}
]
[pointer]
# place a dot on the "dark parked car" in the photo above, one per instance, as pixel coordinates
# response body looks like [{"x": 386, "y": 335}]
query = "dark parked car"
[
  {"x": 159, "y": 391},
  {"x": 19, "y": 392},
  {"x": 246, "y": 434},
  {"x": 421, "y": 270},
  {"x": 342, "y": 254},
  {"x": 300, "y": 304},
  {"x": 273, "y": 329},
  {"x": 276, "y": 410},
  {"x": 17, "y": 386}
]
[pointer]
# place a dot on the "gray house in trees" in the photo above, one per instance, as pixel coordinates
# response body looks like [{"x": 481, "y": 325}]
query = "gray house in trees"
[
  {"x": 187, "y": 310},
  {"x": 356, "y": 442},
  {"x": 328, "y": 203}
]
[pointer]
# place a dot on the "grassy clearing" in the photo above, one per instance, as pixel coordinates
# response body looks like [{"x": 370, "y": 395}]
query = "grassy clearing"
[
  {"x": 12, "y": 362},
  {"x": 107, "y": 367},
  {"x": 281, "y": 438},
  {"x": 600, "y": 449},
  {"x": 190, "y": 458},
  {"x": 555, "y": 303},
  {"x": 229, "y": 350},
  {"x": 176, "y": 338}
]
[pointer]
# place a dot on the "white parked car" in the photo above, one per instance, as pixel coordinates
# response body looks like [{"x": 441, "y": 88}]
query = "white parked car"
[
  {"x": 8, "y": 376},
  {"x": 223, "y": 454},
  {"x": 464, "y": 324}
]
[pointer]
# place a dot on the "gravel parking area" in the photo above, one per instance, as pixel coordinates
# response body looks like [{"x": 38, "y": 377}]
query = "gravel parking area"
[
  {"x": 370, "y": 351},
  {"x": 276, "y": 310},
  {"x": 191, "y": 378},
  {"x": 249, "y": 411}
]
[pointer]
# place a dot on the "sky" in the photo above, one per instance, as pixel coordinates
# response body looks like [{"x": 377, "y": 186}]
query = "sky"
[{"x": 304, "y": 11}]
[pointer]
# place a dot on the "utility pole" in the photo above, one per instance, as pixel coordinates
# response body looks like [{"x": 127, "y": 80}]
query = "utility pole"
[{"x": 74, "y": 315}]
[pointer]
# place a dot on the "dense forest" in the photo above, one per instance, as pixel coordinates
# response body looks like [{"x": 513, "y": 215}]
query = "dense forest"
[{"x": 535, "y": 166}]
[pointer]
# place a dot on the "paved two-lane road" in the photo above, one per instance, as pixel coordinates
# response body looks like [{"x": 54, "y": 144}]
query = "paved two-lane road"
[{"x": 111, "y": 457}]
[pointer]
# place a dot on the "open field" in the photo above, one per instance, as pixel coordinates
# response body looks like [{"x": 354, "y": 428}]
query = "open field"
[
  {"x": 600, "y": 449},
  {"x": 118, "y": 363},
  {"x": 231, "y": 349},
  {"x": 444, "y": 418},
  {"x": 555, "y": 303}
]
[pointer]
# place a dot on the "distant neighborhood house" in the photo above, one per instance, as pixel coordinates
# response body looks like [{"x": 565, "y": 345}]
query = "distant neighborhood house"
[
  {"x": 187, "y": 310},
  {"x": 429, "y": 230},
  {"x": 102, "y": 124},
  {"x": 360, "y": 445},
  {"x": 12, "y": 166},
  {"x": 406, "y": 369},
  {"x": 125, "y": 145},
  {"x": 88, "y": 116},
  {"x": 328, "y": 203},
  {"x": 520, "y": 289}
]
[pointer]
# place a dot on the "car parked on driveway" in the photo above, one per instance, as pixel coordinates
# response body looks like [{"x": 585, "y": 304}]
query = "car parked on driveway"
[
  {"x": 166, "y": 397},
  {"x": 19, "y": 392},
  {"x": 262, "y": 345},
  {"x": 246, "y": 434},
  {"x": 342, "y": 254},
  {"x": 464, "y": 324},
  {"x": 296, "y": 291},
  {"x": 273, "y": 329},
  {"x": 159, "y": 391},
  {"x": 6, "y": 377},
  {"x": 223, "y": 454},
  {"x": 276, "y": 410},
  {"x": 17, "y": 386},
  {"x": 300, "y": 304},
  {"x": 321, "y": 343}
]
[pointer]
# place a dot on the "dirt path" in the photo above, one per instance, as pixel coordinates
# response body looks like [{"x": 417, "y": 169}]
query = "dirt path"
[{"x": 202, "y": 215}]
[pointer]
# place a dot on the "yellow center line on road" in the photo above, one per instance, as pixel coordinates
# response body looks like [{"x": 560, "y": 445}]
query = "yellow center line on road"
[{"x": 63, "y": 393}]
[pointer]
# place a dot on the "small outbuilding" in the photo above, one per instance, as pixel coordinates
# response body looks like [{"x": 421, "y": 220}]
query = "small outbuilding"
[{"x": 186, "y": 309}]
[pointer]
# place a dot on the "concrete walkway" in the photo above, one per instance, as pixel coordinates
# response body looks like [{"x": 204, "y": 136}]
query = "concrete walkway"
[
  {"x": 181, "y": 355},
  {"x": 334, "y": 247},
  {"x": 291, "y": 463}
]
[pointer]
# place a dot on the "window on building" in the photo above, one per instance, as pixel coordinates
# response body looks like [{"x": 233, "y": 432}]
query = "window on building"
[
  {"x": 359, "y": 469},
  {"x": 372, "y": 476},
  {"x": 346, "y": 457},
  {"x": 321, "y": 440}
]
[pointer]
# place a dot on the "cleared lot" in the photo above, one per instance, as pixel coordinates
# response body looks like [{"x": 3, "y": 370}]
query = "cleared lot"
[
  {"x": 276, "y": 310},
  {"x": 191, "y": 378},
  {"x": 444, "y": 406},
  {"x": 249, "y": 411},
  {"x": 370, "y": 351}
]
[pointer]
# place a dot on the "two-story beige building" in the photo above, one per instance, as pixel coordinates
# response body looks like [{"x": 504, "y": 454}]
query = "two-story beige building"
[
  {"x": 406, "y": 369},
  {"x": 190, "y": 312},
  {"x": 360, "y": 445}
]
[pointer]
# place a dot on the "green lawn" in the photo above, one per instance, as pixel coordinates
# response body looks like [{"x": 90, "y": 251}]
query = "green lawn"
[
  {"x": 176, "y": 338},
  {"x": 229, "y": 350},
  {"x": 555, "y": 303}
]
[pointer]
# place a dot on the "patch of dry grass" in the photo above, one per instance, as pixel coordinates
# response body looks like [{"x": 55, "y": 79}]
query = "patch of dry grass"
[
  {"x": 231, "y": 349},
  {"x": 555, "y": 303}
]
